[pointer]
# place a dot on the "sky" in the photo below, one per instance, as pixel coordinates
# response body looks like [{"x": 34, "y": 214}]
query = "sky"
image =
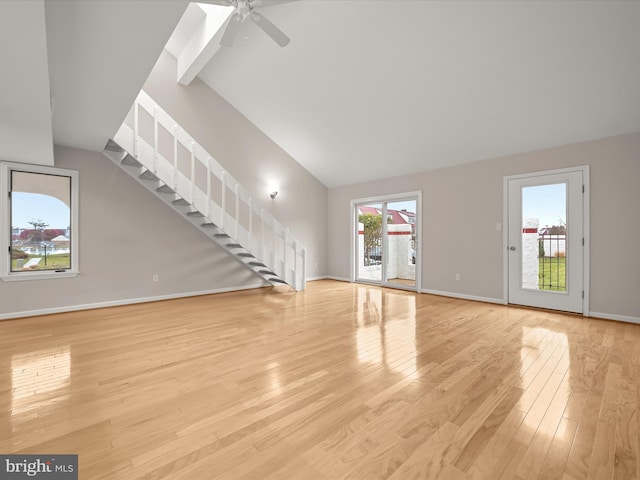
[
  {"x": 547, "y": 203},
  {"x": 410, "y": 206},
  {"x": 28, "y": 206}
]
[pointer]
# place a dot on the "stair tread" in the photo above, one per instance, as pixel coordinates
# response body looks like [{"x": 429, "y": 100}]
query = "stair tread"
[
  {"x": 113, "y": 146},
  {"x": 165, "y": 189},
  {"x": 130, "y": 161},
  {"x": 148, "y": 175}
]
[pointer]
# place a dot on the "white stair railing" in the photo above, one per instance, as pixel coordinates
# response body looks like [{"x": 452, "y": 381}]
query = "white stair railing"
[{"x": 210, "y": 189}]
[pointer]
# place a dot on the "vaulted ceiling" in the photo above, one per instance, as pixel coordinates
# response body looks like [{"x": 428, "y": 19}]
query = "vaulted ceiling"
[
  {"x": 372, "y": 89},
  {"x": 367, "y": 88}
]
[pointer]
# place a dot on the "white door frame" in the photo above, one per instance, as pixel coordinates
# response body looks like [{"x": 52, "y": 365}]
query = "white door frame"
[
  {"x": 584, "y": 169},
  {"x": 381, "y": 199}
]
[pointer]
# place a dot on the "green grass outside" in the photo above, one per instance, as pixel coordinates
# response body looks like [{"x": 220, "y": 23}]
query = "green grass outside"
[
  {"x": 54, "y": 262},
  {"x": 552, "y": 273}
]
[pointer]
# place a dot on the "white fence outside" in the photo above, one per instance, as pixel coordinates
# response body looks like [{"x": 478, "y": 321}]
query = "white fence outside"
[
  {"x": 400, "y": 255},
  {"x": 554, "y": 245}
]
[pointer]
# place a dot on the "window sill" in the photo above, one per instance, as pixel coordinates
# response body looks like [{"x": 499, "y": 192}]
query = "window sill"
[{"x": 22, "y": 277}]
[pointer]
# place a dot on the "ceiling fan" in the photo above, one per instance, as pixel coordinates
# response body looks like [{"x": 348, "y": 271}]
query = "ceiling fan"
[{"x": 249, "y": 9}]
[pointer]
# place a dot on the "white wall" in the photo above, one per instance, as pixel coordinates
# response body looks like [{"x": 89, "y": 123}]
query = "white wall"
[
  {"x": 250, "y": 156},
  {"x": 126, "y": 235},
  {"x": 459, "y": 200}
]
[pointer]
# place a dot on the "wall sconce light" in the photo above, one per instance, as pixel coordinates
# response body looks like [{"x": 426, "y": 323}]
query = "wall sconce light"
[{"x": 273, "y": 194}]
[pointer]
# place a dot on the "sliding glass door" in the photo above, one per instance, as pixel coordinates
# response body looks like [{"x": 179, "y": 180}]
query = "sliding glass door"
[{"x": 386, "y": 241}]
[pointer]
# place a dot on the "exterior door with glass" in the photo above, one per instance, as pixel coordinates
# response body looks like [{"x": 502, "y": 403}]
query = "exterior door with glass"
[{"x": 546, "y": 240}]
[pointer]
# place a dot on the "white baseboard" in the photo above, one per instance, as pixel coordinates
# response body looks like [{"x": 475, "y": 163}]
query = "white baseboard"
[
  {"x": 313, "y": 279},
  {"x": 605, "y": 316},
  {"x": 610, "y": 316},
  {"x": 339, "y": 279},
  {"x": 465, "y": 297},
  {"x": 127, "y": 301}
]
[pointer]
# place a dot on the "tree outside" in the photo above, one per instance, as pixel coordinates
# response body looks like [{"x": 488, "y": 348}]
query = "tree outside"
[
  {"x": 38, "y": 227},
  {"x": 372, "y": 227}
]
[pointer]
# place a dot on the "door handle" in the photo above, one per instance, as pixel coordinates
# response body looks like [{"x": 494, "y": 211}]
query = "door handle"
[{"x": 512, "y": 248}]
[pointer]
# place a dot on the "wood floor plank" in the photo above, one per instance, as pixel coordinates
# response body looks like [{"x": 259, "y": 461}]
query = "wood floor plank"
[
  {"x": 626, "y": 408},
  {"x": 532, "y": 463},
  {"x": 341, "y": 381},
  {"x": 486, "y": 432},
  {"x": 428, "y": 459},
  {"x": 553, "y": 465},
  {"x": 604, "y": 443},
  {"x": 580, "y": 455}
]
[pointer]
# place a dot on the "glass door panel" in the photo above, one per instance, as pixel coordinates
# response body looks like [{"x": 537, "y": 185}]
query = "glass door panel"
[
  {"x": 401, "y": 243},
  {"x": 369, "y": 244},
  {"x": 544, "y": 237}
]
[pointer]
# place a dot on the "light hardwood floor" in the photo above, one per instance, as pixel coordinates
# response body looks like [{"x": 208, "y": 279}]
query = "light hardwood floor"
[{"x": 342, "y": 381}]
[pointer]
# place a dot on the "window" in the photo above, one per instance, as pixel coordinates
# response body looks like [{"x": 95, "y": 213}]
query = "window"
[{"x": 40, "y": 222}]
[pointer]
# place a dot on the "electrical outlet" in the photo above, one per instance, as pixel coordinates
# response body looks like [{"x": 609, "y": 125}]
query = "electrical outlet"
[
  {"x": 154, "y": 278},
  {"x": 457, "y": 276}
]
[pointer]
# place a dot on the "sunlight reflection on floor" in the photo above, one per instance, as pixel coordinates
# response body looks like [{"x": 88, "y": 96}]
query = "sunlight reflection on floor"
[
  {"x": 36, "y": 375},
  {"x": 381, "y": 338}
]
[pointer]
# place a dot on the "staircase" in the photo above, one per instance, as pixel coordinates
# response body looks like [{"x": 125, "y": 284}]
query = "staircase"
[{"x": 160, "y": 155}]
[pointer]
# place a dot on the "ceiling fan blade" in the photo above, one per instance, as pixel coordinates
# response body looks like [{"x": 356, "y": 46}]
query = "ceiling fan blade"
[
  {"x": 231, "y": 31},
  {"x": 270, "y": 29}
]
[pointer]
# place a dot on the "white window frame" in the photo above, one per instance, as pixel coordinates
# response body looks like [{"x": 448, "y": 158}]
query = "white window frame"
[{"x": 6, "y": 274}]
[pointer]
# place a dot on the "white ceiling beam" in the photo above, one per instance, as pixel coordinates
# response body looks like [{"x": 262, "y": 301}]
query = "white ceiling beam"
[{"x": 204, "y": 43}]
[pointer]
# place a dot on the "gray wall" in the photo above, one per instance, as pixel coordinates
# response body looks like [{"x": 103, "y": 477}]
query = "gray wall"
[
  {"x": 249, "y": 155},
  {"x": 25, "y": 104},
  {"x": 461, "y": 206},
  {"x": 127, "y": 235}
]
